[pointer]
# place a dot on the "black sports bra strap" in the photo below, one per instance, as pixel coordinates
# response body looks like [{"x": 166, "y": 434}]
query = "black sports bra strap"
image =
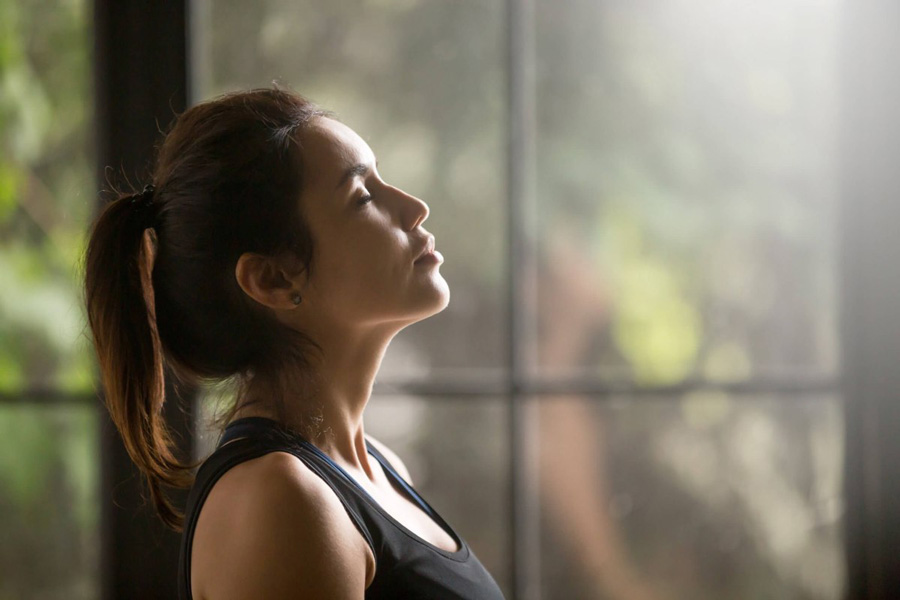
[{"x": 392, "y": 473}]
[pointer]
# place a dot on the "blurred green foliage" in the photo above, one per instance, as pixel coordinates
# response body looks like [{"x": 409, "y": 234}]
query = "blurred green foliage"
[
  {"x": 49, "y": 536},
  {"x": 48, "y": 502},
  {"x": 46, "y": 193}
]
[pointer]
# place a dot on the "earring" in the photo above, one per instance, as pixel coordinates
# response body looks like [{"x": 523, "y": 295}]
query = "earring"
[{"x": 296, "y": 299}]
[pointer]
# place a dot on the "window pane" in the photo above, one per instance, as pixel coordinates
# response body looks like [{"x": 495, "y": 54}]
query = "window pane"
[
  {"x": 705, "y": 496},
  {"x": 423, "y": 84},
  {"x": 47, "y": 193},
  {"x": 686, "y": 188},
  {"x": 49, "y": 507},
  {"x": 49, "y": 463}
]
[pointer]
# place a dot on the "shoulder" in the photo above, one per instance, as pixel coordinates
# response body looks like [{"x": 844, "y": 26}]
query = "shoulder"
[
  {"x": 392, "y": 458},
  {"x": 271, "y": 528}
]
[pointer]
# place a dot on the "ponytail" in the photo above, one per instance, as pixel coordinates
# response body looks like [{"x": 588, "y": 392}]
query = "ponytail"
[
  {"x": 229, "y": 173},
  {"x": 121, "y": 312}
]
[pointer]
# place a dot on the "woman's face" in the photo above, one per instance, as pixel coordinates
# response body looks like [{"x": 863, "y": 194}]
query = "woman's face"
[{"x": 367, "y": 235}]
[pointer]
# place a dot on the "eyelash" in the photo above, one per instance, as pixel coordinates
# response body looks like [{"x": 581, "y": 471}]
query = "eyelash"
[{"x": 364, "y": 200}]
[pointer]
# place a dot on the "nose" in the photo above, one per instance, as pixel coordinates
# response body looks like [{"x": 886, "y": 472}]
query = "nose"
[{"x": 414, "y": 210}]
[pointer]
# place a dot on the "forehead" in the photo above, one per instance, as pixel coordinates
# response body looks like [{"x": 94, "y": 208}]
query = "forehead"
[{"x": 329, "y": 148}]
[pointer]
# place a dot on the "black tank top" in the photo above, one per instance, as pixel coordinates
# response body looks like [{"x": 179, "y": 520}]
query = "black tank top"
[{"x": 407, "y": 566}]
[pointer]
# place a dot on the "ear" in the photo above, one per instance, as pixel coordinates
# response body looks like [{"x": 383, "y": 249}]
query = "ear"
[{"x": 268, "y": 280}]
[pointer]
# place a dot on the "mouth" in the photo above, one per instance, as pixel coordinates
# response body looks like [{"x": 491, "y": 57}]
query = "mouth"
[
  {"x": 428, "y": 252},
  {"x": 432, "y": 258}
]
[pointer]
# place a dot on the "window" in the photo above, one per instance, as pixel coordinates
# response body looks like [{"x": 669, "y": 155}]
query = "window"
[
  {"x": 49, "y": 468},
  {"x": 635, "y": 391},
  {"x": 671, "y": 345}
]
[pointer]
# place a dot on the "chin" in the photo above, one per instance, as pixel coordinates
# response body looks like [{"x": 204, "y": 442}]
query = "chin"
[
  {"x": 444, "y": 295},
  {"x": 438, "y": 298}
]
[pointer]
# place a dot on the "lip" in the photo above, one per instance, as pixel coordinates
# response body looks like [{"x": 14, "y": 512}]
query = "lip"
[
  {"x": 430, "y": 258},
  {"x": 428, "y": 250}
]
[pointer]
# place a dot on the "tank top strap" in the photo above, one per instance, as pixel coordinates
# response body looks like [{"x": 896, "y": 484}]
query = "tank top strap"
[{"x": 395, "y": 476}]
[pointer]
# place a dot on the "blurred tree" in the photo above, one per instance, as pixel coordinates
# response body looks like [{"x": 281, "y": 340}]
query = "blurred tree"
[{"x": 48, "y": 460}]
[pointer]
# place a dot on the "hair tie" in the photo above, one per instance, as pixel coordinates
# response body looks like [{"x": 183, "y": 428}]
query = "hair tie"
[{"x": 144, "y": 198}]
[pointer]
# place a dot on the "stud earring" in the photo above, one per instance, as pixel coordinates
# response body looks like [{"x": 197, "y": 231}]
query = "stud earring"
[{"x": 296, "y": 299}]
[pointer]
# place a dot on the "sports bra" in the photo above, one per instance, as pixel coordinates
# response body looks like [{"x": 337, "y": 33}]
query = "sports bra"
[{"x": 407, "y": 566}]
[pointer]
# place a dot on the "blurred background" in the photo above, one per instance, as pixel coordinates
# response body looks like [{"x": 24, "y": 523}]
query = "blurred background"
[{"x": 667, "y": 367}]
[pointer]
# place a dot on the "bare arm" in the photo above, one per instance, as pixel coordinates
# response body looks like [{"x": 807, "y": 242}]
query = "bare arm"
[{"x": 276, "y": 530}]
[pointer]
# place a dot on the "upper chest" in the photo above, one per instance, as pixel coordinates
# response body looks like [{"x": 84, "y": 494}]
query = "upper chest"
[{"x": 404, "y": 509}]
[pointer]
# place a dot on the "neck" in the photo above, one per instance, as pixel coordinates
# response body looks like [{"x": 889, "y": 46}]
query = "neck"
[{"x": 331, "y": 414}]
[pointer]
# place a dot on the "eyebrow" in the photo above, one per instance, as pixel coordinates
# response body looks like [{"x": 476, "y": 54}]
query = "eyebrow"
[{"x": 354, "y": 171}]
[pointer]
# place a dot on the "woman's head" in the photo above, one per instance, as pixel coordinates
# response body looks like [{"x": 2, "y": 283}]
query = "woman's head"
[
  {"x": 367, "y": 235},
  {"x": 241, "y": 221}
]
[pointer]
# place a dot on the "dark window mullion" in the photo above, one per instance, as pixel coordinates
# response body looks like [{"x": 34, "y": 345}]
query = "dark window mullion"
[
  {"x": 521, "y": 139},
  {"x": 870, "y": 295},
  {"x": 140, "y": 81}
]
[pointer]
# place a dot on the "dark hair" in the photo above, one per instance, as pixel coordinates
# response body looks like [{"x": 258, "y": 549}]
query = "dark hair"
[{"x": 227, "y": 179}]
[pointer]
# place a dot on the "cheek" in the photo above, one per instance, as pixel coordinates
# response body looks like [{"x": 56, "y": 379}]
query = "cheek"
[
  {"x": 373, "y": 263},
  {"x": 361, "y": 258},
  {"x": 368, "y": 262}
]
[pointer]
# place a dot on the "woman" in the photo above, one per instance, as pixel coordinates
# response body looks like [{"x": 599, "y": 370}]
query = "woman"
[{"x": 269, "y": 253}]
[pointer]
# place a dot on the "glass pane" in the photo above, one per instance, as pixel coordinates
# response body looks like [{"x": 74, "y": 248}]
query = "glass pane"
[
  {"x": 49, "y": 504},
  {"x": 49, "y": 463},
  {"x": 457, "y": 453},
  {"x": 47, "y": 193},
  {"x": 705, "y": 496},
  {"x": 423, "y": 84},
  {"x": 686, "y": 188}
]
